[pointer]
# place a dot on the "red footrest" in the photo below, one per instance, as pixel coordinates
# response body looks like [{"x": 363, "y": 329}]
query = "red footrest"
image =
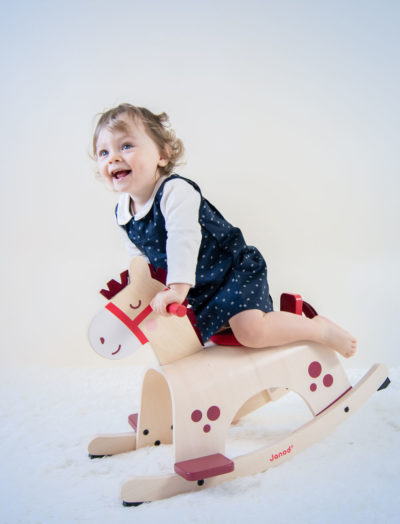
[
  {"x": 133, "y": 420},
  {"x": 204, "y": 467}
]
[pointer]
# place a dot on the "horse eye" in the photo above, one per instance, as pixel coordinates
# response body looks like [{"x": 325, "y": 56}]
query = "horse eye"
[
  {"x": 102, "y": 340},
  {"x": 136, "y": 307}
]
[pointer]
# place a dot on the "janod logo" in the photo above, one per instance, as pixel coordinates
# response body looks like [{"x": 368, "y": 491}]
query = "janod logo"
[{"x": 281, "y": 453}]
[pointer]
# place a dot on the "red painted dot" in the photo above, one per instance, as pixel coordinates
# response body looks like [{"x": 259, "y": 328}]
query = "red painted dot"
[
  {"x": 314, "y": 369},
  {"x": 206, "y": 428},
  {"x": 328, "y": 381},
  {"x": 313, "y": 387},
  {"x": 196, "y": 415},
  {"x": 213, "y": 413},
  {"x": 102, "y": 340}
]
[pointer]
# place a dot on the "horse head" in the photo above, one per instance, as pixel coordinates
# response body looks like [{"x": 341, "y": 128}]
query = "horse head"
[{"x": 127, "y": 322}]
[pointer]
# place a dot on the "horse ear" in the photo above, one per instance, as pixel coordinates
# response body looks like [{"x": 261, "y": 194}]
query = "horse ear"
[{"x": 139, "y": 269}]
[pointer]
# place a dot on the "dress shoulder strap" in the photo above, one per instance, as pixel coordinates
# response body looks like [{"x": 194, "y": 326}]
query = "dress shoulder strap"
[{"x": 174, "y": 176}]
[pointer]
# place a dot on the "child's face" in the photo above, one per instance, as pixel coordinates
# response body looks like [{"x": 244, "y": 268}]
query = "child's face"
[{"x": 129, "y": 160}]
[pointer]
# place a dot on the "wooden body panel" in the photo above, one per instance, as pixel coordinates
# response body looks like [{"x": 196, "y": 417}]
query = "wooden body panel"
[{"x": 208, "y": 388}]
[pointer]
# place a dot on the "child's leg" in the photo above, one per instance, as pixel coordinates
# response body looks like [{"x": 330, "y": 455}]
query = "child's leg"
[{"x": 256, "y": 329}]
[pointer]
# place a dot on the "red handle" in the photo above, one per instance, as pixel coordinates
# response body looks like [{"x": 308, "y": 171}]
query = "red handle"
[{"x": 177, "y": 309}]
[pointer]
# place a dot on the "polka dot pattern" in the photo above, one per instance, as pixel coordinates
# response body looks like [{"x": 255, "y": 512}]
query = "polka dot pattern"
[
  {"x": 230, "y": 276},
  {"x": 314, "y": 371},
  {"x": 213, "y": 413}
]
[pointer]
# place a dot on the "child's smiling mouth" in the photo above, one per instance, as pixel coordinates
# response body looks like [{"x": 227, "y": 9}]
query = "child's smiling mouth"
[{"x": 118, "y": 175}]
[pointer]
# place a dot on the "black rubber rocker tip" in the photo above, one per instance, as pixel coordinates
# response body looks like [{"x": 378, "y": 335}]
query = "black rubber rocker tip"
[
  {"x": 97, "y": 456},
  {"x": 129, "y": 504},
  {"x": 385, "y": 384}
]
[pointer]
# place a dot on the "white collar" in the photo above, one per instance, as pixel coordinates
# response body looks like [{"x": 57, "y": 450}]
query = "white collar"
[{"x": 124, "y": 214}]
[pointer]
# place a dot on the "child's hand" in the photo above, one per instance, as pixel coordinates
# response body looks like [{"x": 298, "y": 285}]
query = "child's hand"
[{"x": 175, "y": 293}]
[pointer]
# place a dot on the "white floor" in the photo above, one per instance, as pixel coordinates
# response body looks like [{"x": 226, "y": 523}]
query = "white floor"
[{"x": 48, "y": 417}]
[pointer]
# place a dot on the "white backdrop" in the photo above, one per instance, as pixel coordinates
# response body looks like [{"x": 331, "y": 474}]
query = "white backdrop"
[{"x": 290, "y": 116}]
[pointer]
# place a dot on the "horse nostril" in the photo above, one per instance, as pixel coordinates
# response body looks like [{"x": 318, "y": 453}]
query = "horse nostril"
[{"x": 102, "y": 340}]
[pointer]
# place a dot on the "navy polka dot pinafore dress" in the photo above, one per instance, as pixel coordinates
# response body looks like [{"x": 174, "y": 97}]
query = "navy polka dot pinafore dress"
[{"x": 230, "y": 277}]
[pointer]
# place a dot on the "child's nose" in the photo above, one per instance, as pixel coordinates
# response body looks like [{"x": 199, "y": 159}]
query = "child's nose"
[{"x": 114, "y": 156}]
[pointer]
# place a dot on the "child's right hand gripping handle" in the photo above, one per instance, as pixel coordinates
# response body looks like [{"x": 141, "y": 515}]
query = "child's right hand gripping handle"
[{"x": 177, "y": 309}]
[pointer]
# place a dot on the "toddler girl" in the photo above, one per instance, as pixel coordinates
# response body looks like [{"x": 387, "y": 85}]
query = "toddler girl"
[{"x": 168, "y": 221}]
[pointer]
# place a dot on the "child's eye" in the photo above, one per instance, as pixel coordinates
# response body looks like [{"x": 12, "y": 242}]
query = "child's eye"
[
  {"x": 102, "y": 153},
  {"x": 127, "y": 146}
]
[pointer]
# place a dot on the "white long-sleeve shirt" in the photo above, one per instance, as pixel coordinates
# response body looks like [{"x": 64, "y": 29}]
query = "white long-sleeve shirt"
[{"x": 180, "y": 204}]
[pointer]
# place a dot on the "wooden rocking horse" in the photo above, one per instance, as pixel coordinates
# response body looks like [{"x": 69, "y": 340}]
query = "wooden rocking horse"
[{"x": 194, "y": 395}]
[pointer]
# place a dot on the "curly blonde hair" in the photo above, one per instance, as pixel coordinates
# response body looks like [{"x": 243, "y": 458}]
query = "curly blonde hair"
[{"x": 157, "y": 127}]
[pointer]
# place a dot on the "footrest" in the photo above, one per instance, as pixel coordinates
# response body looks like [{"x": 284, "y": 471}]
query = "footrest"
[
  {"x": 133, "y": 420},
  {"x": 204, "y": 467}
]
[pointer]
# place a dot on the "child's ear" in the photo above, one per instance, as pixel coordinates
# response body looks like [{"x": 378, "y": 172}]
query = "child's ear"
[{"x": 165, "y": 156}]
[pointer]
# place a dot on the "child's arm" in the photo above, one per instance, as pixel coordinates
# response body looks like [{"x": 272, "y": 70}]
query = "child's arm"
[
  {"x": 175, "y": 293},
  {"x": 180, "y": 207}
]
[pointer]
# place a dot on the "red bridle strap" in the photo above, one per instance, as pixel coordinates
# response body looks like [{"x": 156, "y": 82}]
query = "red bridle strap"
[{"x": 132, "y": 324}]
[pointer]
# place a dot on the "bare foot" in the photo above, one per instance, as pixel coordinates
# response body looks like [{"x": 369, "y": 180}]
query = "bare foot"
[{"x": 336, "y": 337}]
